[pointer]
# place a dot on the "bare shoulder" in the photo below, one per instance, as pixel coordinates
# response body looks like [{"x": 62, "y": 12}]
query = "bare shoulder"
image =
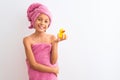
[
  {"x": 26, "y": 39},
  {"x": 52, "y": 37}
]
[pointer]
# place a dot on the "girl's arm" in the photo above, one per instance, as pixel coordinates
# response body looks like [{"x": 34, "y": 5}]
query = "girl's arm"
[
  {"x": 54, "y": 51},
  {"x": 31, "y": 59}
]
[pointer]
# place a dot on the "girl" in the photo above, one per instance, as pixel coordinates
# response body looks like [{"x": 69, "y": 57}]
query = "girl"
[{"x": 40, "y": 47}]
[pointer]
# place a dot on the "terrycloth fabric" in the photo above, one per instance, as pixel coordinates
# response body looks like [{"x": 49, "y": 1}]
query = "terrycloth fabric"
[
  {"x": 34, "y": 10},
  {"x": 42, "y": 56}
]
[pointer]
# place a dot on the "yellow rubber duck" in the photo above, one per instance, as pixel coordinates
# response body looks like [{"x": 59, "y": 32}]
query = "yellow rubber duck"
[{"x": 61, "y": 33}]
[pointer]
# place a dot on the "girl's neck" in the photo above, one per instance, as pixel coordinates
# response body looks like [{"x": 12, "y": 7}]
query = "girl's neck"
[{"x": 39, "y": 33}]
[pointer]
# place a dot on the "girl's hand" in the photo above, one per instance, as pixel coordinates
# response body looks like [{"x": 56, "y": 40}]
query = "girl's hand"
[{"x": 56, "y": 70}]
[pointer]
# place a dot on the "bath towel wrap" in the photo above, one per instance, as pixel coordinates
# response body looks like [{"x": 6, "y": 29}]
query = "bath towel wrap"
[{"x": 41, "y": 53}]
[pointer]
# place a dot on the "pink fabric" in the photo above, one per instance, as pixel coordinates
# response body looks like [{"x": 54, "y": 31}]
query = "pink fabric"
[
  {"x": 42, "y": 56},
  {"x": 34, "y": 10}
]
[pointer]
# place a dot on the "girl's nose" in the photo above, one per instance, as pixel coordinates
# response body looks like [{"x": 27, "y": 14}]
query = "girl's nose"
[{"x": 42, "y": 22}]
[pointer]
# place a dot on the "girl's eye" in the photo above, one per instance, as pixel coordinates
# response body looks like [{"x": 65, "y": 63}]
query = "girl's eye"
[
  {"x": 46, "y": 21},
  {"x": 39, "y": 19}
]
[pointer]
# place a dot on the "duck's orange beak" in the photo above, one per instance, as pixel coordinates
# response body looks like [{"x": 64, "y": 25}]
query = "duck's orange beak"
[{"x": 63, "y": 31}]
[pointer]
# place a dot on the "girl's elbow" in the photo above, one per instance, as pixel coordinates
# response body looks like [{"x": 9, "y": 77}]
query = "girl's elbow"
[
  {"x": 53, "y": 62},
  {"x": 33, "y": 65}
]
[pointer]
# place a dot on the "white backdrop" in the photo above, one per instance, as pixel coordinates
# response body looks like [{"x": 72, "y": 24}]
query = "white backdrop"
[{"x": 91, "y": 52}]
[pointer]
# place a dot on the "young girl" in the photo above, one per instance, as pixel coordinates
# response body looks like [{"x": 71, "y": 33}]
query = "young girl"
[{"x": 40, "y": 47}]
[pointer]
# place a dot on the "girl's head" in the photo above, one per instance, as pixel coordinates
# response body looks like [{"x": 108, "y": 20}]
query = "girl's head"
[{"x": 34, "y": 10}]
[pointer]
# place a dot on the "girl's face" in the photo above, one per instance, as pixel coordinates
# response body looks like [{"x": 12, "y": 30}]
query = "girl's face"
[{"x": 42, "y": 22}]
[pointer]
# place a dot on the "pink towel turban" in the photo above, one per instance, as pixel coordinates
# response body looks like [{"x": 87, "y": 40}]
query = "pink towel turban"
[{"x": 34, "y": 10}]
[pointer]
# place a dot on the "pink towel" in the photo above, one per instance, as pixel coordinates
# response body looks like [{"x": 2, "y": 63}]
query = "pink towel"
[{"x": 42, "y": 56}]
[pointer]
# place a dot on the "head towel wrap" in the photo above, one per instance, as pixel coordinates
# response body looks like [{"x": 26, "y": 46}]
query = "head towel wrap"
[{"x": 34, "y": 10}]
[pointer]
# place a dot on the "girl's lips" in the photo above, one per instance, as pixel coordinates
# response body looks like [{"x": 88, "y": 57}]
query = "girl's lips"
[{"x": 41, "y": 28}]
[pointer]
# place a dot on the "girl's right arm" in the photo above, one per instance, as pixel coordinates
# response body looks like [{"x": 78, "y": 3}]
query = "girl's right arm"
[{"x": 32, "y": 61}]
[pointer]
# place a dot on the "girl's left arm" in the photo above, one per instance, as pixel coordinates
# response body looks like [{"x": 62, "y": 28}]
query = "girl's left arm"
[{"x": 54, "y": 51}]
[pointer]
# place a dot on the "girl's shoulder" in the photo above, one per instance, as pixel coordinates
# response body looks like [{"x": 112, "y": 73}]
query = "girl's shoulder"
[
  {"x": 51, "y": 36},
  {"x": 27, "y": 39}
]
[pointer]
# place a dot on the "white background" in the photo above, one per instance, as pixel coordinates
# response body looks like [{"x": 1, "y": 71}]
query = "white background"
[{"x": 91, "y": 52}]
